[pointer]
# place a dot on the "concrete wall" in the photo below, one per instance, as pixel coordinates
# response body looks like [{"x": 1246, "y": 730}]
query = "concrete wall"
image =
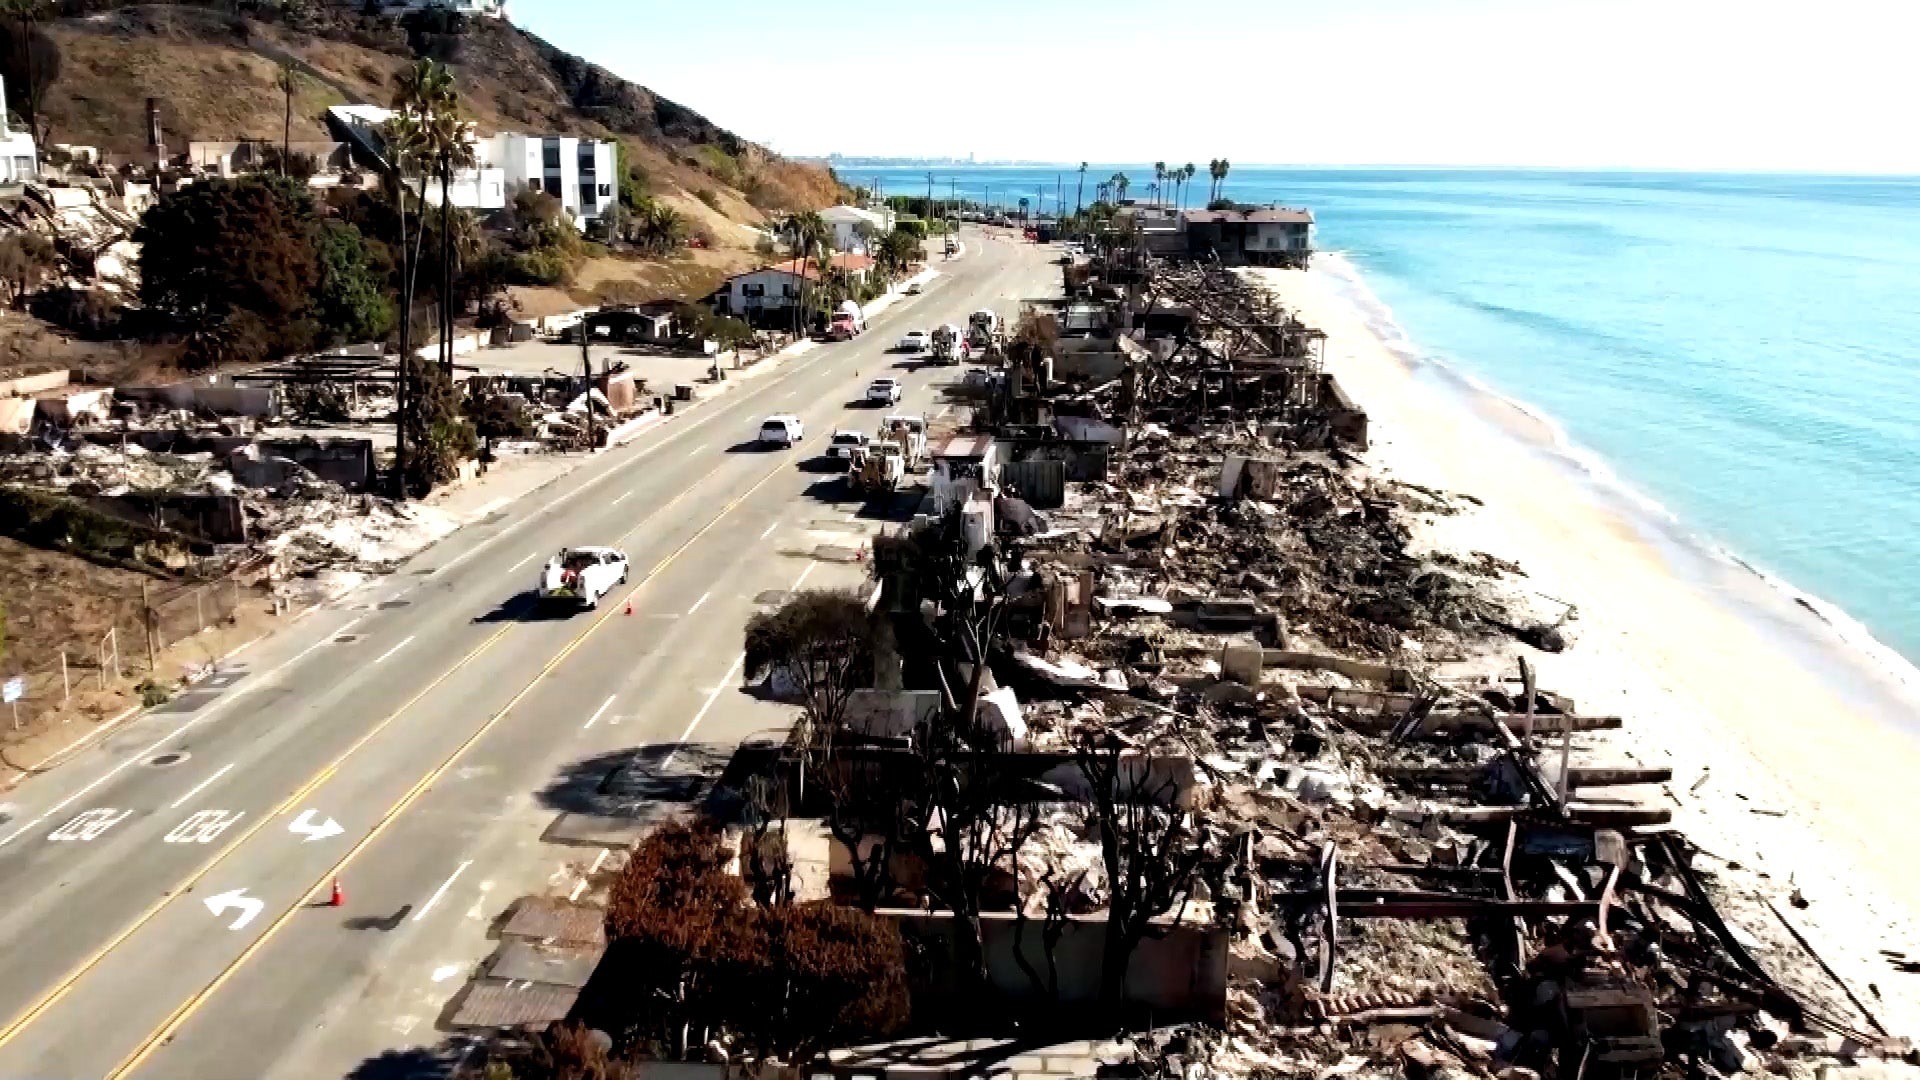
[
  {"x": 347, "y": 462},
  {"x": 29, "y": 385},
  {"x": 1349, "y": 419},
  {"x": 1184, "y": 973},
  {"x": 215, "y": 518},
  {"x": 220, "y": 400}
]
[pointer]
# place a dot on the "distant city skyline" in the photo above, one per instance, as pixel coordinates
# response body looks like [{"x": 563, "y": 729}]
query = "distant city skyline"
[{"x": 1761, "y": 85}]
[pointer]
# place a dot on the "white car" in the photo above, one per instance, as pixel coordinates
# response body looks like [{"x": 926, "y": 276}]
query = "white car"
[
  {"x": 583, "y": 575},
  {"x": 844, "y": 444},
  {"x": 883, "y": 392},
  {"x": 915, "y": 341},
  {"x": 782, "y": 430},
  {"x": 914, "y": 289}
]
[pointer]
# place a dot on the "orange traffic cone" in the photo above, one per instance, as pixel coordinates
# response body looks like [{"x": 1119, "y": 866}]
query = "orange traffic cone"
[{"x": 338, "y": 896}]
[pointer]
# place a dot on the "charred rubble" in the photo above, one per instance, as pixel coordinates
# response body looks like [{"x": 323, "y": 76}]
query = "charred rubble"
[{"x": 1159, "y": 573}]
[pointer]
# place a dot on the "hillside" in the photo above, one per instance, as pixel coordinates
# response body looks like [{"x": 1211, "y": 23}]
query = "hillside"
[{"x": 216, "y": 77}]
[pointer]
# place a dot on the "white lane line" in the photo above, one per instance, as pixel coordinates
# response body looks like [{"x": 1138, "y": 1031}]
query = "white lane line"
[
  {"x": 702, "y": 600},
  {"x": 522, "y": 562},
  {"x": 622, "y": 498},
  {"x": 696, "y": 450},
  {"x": 578, "y": 888},
  {"x": 597, "y": 860},
  {"x": 803, "y": 576},
  {"x": 713, "y": 696},
  {"x": 200, "y": 787},
  {"x": 604, "y": 706},
  {"x": 441, "y": 891},
  {"x": 396, "y": 648},
  {"x": 169, "y": 736},
  {"x": 769, "y": 531}
]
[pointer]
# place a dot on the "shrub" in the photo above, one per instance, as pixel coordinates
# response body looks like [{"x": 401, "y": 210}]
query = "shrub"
[
  {"x": 708, "y": 196},
  {"x": 153, "y": 694}
]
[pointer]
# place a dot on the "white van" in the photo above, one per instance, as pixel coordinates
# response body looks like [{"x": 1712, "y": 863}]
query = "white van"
[{"x": 782, "y": 430}]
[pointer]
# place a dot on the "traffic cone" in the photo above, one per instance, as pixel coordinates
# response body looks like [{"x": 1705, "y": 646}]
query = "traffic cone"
[
  {"x": 338, "y": 896},
  {"x": 629, "y": 610}
]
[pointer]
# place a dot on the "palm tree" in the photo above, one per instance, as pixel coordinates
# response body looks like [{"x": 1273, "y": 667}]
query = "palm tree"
[
  {"x": 1079, "y": 188},
  {"x": 1213, "y": 189},
  {"x": 1159, "y": 177},
  {"x": 1119, "y": 183},
  {"x": 447, "y": 143},
  {"x": 1186, "y": 177},
  {"x": 807, "y": 234},
  {"x": 404, "y": 141},
  {"x": 1225, "y": 168}
]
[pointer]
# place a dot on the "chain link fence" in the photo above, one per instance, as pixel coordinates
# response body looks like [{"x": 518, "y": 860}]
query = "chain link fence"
[{"x": 131, "y": 649}]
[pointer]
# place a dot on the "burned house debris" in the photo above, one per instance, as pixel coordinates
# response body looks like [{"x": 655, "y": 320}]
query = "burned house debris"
[{"x": 1165, "y": 713}]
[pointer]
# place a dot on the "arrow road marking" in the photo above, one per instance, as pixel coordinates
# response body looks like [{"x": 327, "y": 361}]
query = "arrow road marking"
[
  {"x": 304, "y": 825},
  {"x": 232, "y": 900}
]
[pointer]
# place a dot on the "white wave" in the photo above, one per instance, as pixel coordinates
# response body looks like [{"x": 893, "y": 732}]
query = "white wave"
[{"x": 1850, "y": 632}]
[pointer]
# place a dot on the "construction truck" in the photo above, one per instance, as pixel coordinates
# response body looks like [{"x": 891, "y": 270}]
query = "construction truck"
[
  {"x": 982, "y": 325},
  {"x": 908, "y": 432},
  {"x": 945, "y": 344},
  {"x": 880, "y": 469}
]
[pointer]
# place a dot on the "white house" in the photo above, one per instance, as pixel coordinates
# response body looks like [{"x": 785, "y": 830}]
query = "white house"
[
  {"x": 19, "y": 163},
  {"x": 777, "y": 287},
  {"x": 578, "y": 172},
  {"x": 492, "y": 9},
  {"x": 844, "y": 219}
]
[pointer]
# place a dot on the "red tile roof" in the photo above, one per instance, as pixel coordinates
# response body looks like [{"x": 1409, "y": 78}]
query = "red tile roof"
[{"x": 806, "y": 268}]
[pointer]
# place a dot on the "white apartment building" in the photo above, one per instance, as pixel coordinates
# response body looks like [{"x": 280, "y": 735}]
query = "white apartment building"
[
  {"x": 19, "y": 163},
  {"x": 578, "y": 172}
]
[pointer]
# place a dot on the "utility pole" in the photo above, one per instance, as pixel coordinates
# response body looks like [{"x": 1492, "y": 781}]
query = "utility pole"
[
  {"x": 586, "y": 362},
  {"x": 929, "y": 194}
]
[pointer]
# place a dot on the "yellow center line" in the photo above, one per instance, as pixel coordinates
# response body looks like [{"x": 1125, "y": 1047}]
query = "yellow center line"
[
  {"x": 60, "y": 989},
  {"x": 187, "y": 1008}
]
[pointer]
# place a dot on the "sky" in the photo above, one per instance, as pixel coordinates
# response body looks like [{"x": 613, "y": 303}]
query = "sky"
[{"x": 1658, "y": 84}]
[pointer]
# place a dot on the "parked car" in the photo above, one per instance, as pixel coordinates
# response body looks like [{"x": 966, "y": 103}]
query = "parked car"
[
  {"x": 845, "y": 445},
  {"x": 883, "y": 392},
  {"x": 914, "y": 342},
  {"x": 582, "y": 575},
  {"x": 914, "y": 289},
  {"x": 781, "y": 430}
]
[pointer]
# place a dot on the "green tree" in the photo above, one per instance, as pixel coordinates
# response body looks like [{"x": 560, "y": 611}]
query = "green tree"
[
  {"x": 230, "y": 264},
  {"x": 351, "y": 303},
  {"x": 441, "y": 437}
]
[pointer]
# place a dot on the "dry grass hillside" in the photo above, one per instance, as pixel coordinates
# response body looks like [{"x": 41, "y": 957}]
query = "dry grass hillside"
[{"x": 216, "y": 78}]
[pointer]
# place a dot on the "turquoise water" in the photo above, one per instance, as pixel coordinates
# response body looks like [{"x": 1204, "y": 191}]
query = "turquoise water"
[{"x": 1742, "y": 351}]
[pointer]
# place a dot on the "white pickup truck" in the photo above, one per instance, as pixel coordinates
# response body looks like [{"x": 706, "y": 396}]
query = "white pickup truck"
[{"x": 582, "y": 575}]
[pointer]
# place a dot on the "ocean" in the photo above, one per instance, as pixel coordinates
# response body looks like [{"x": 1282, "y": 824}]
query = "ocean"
[{"x": 1737, "y": 354}]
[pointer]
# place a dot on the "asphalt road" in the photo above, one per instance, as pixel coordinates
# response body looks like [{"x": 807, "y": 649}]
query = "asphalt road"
[{"x": 163, "y": 897}]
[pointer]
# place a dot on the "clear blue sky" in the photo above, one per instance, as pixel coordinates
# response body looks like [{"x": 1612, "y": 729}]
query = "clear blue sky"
[{"x": 1758, "y": 84}]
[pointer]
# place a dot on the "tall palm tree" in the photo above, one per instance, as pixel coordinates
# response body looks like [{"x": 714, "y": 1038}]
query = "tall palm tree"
[
  {"x": 1225, "y": 168},
  {"x": 1186, "y": 177},
  {"x": 448, "y": 146},
  {"x": 1159, "y": 177},
  {"x": 404, "y": 142},
  {"x": 1213, "y": 188},
  {"x": 1079, "y": 188},
  {"x": 1119, "y": 184}
]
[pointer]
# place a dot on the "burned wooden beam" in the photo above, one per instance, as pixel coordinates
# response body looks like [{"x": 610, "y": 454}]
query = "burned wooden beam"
[{"x": 1463, "y": 775}]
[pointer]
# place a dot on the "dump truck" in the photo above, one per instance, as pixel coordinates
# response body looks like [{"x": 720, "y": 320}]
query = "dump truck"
[{"x": 946, "y": 344}]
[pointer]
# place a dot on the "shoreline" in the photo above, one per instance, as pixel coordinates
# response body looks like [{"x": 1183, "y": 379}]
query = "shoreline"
[{"x": 1789, "y": 753}]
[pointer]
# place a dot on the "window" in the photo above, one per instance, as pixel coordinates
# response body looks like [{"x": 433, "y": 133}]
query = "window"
[
  {"x": 787, "y": 290},
  {"x": 552, "y": 186},
  {"x": 550, "y": 154},
  {"x": 606, "y": 190},
  {"x": 754, "y": 289}
]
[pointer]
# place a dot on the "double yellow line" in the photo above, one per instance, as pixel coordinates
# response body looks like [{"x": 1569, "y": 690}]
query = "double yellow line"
[{"x": 180, "y": 1015}]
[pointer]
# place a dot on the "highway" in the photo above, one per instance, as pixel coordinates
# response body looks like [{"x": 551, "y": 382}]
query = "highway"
[{"x": 163, "y": 897}]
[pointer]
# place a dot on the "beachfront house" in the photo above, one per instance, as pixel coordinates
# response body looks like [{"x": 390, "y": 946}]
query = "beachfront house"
[
  {"x": 766, "y": 297},
  {"x": 1271, "y": 236},
  {"x": 846, "y": 221},
  {"x": 19, "y": 162}
]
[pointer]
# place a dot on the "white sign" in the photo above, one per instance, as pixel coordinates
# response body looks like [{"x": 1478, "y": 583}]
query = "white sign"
[
  {"x": 202, "y": 827},
  {"x": 13, "y": 690},
  {"x": 304, "y": 825},
  {"x": 236, "y": 899},
  {"x": 90, "y": 825}
]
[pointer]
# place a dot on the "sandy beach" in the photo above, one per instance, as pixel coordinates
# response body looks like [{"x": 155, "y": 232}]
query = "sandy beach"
[{"x": 1794, "y": 763}]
